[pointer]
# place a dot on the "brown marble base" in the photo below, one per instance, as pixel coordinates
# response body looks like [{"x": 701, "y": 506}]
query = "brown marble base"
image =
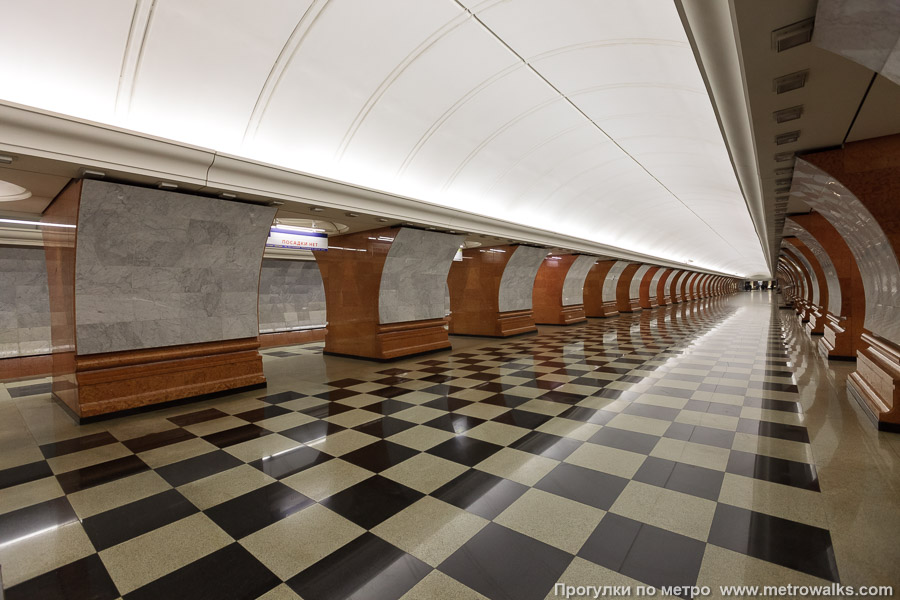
[
  {"x": 876, "y": 381},
  {"x": 387, "y": 341},
  {"x": 290, "y": 338},
  {"x": 494, "y": 324},
  {"x": 106, "y": 383},
  {"x": 606, "y": 309},
  {"x": 634, "y": 305},
  {"x": 26, "y": 366},
  {"x": 837, "y": 340},
  {"x": 567, "y": 315}
]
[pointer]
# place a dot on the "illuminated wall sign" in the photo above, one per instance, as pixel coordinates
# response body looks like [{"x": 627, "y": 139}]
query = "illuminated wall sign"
[{"x": 283, "y": 237}]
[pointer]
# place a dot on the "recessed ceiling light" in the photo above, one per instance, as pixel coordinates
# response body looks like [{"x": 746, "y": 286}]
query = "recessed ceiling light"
[
  {"x": 784, "y": 156},
  {"x": 382, "y": 220},
  {"x": 785, "y": 181},
  {"x": 165, "y": 185},
  {"x": 10, "y": 192},
  {"x": 6, "y": 160},
  {"x": 351, "y": 214},
  {"x": 788, "y": 114},
  {"x": 227, "y": 196},
  {"x": 316, "y": 209},
  {"x": 790, "y": 82},
  {"x": 784, "y": 172},
  {"x": 92, "y": 174},
  {"x": 787, "y": 138},
  {"x": 793, "y": 35}
]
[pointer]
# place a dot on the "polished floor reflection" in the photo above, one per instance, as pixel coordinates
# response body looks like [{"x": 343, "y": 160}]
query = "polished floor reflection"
[{"x": 705, "y": 443}]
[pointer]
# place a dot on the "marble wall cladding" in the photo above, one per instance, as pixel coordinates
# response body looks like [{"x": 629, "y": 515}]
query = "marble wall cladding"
[
  {"x": 573, "y": 285},
  {"x": 814, "y": 280},
  {"x": 24, "y": 302},
  {"x": 634, "y": 290},
  {"x": 291, "y": 295},
  {"x": 612, "y": 279},
  {"x": 872, "y": 250},
  {"x": 864, "y": 31},
  {"x": 796, "y": 275},
  {"x": 517, "y": 282},
  {"x": 679, "y": 284},
  {"x": 156, "y": 268},
  {"x": 831, "y": 277},
  {"x": 414, "y": 277}
]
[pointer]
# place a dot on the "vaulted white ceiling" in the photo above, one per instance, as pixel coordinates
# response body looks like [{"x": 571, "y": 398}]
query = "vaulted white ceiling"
[{"x": 588, "y": 118}]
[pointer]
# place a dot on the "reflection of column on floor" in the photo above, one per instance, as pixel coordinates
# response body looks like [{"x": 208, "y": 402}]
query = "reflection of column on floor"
[
  {"x": 155, "y": 299},
  {"x": 843, "y": 319},
  {"x": 491, "y": 290},
  {"x": 385, "y": 291},
  {"x": 855, "y": 188},
  {"x": 558, "y": 295}
]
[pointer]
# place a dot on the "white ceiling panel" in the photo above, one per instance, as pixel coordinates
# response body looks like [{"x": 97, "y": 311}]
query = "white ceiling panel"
[{"x": 588, "y": 118}]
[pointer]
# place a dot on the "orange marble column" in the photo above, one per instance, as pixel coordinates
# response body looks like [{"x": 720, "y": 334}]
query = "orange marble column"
[
  {"x": 648, "y": 298},
  {"x": 662, "y": 287},
  {"x": 676, "y": 281},
  {"x": 594, "y": 305},
  {"x": 480, "y": 283},
  {"x": 92, "y": 376},
  {"x": 550, "y": 298},
  {"x": 816, "y": 311},
  {"x": 624, "y": 303},
  {"x": 842, "y": 329},
  {"x": 384, "y": 290}
]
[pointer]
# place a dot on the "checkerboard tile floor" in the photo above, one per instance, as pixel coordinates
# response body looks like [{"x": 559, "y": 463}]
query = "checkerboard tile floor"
[{"x": 658, "y": 448}]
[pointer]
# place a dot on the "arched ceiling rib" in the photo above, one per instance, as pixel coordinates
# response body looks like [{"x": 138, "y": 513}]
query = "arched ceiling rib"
[{"x": 590, "y": 118}]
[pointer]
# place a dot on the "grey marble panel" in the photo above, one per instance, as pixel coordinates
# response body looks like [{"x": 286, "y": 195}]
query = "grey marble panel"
[
  {"x": 156, "y": 268},
  {"x": 634, "y": 290},
  {"x": 517, "y": 282},
  {"x": 24, "y": 303},
  {"x": 414, "y": 277},
  {"x": 831, "y": 277},
  {"x": 608, "y": 294},
  {"x": 291, "y": 295},
  {"x": 864, "y": 31},
  {"x": 873, "y": 252},
  {"x": 814, "y": 280},
  {"x": 573, "y": 284}
]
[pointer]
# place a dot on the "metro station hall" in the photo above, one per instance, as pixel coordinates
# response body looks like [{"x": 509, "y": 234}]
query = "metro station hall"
[{"x": 449, "y": 299}]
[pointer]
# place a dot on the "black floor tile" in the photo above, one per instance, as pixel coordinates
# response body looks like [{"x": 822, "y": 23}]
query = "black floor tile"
[
  {"x": 387, "y": 407},
  {"x": 793, "y": 433},
  {"x": 78, "y": 444},
  {"x": 500, "y": 563},
  {"x": 649, "y": 554},
  {"x": 587, "y": 415},
  {"x": 522, "y": 418},
  {"x": 372, "y": 501},
  {"x": 390, "y": 391},
  {"x": 236, "y": 435},
  {"x": 368, "y": 568},
  {"x": 328, "y": 409},
  {"x": 562, "y": 397},
  {"x": 642, "y": 443},
  {"x": 344, "y": 383},
  {"x": 716, "y": 408},
  {"x": 266, "y": 412},
  {"x": 587, "y": 486},
  {"x": 776, "y": 470},
  {"x": 681, "y": 477},
  {"x": 137, "y": 518},
  {"x": 448, "y": 404},
  {"x": 465, "y": 450},
  {"x": 88, "y": 477},
  {"x": 385, "y": 427},
  {"x": 768, "y": 404},
  {"x": 198, "y": 417},
  {"x": 311, "y": 432},
  {"x": 545, "y": 444},
  {"x": 338, "y": 394},
  {"x": 651, "y": 411},
  {"x": 241, "y": 516},
  {"x": 198, "y": 467},
  {"x": 454, "y": 423},
  {"x": 84, "y": 579},
  {"x": 504, "y": 399},
  {"x": 37, "y": 517},
  {"x": 289, "y": 462},
  {"x": 787, "y": 543},
  {"x": 151, "y": 441},
  {"x": 700, "y": 435},
  {"x": 231, "y": 572},
  {"x": 663, "y": 390},
  {"x": 480, "y": 493},
  {"x": 281, "y": 397},
  {"x": 24, "y": 474},
  {"x": 30, "y": 390},
  {"x": 379, "y": 456}
]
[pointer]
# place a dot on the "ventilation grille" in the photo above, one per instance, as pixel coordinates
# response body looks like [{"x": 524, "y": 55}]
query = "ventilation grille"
[
  {"x": 788, "y": 114},
  {"x": 787, "y": 138},
  {"x": 790, "y": 82},
  {"x": 783, "y": 182},
  {"x": 791, "y": 36},
  {"x": 784, "y": 156},
  {"x": 784, "y": 172}
]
